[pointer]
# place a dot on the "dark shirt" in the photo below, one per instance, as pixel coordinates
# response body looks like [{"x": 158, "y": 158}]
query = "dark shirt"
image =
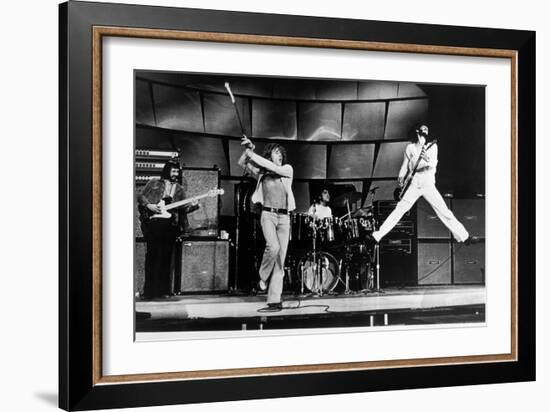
[{"x": 154, "y": 191}]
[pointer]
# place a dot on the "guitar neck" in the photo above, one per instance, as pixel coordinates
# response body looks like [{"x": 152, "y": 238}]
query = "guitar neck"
[{"x": 185, "y": 201}]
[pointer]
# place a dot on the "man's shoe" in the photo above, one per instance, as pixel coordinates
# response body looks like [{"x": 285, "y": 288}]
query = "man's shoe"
[
  {"x": 274, "y": 307},
  {"x": 472, "y": 240}
]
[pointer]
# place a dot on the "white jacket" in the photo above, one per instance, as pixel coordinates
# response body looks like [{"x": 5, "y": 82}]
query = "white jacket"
[{"x": 285, "y": 171}]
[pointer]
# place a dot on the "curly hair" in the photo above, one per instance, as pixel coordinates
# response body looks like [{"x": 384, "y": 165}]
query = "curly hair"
[
  {"x": 268, "y": 149},
  {"x": 171, "y": 164}
]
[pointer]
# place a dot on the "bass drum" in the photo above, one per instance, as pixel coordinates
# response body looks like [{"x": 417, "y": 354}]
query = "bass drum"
[{"x": 319, "y": 273}]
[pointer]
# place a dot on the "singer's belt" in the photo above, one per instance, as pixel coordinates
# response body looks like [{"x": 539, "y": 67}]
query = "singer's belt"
[{"x": 275, "y": 210}]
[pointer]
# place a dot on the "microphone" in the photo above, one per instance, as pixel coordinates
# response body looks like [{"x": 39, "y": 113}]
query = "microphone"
[
  {"x": 230, "y": 92},
  {"x": 374, "y": 189}
]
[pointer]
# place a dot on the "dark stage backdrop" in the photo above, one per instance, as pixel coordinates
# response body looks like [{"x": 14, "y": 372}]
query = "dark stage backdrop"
[
  {"x": 457, "y": 119},
  {"x": 346, "y": 132}
]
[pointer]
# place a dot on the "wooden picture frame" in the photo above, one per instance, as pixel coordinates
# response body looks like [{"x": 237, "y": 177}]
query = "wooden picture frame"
[{"x": 83, "y": 26}]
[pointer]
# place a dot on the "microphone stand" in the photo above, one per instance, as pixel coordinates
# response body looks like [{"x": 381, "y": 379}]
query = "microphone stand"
[{"x": 238, "y": 212}]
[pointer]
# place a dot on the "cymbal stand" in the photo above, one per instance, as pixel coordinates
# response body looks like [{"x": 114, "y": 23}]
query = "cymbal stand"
[
  {"x": 347, "y": 257},
  {"x": 317, "y": 286},
  {"x": 377, "y": 257},
  {"x": 302, "y": 279},
  {"x": 345, "y": 263},
  {"x": 377, "y": 260}
]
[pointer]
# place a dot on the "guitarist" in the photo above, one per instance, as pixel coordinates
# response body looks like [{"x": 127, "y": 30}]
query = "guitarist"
[
  {"x": 160, "y": 234},
  {"x": 422, "y": 184}
]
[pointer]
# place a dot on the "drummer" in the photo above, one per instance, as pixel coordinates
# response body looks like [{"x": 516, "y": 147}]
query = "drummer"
[{"x": 320, "y": 208}]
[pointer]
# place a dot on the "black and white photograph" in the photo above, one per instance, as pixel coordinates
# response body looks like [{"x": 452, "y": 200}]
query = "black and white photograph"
[
  {"x": 268, "y": 206},
  {"x": 289, "y": 203}
]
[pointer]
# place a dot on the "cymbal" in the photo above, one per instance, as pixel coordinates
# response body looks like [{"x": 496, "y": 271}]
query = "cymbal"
[
  {"x": 351, "y": 197},
  {"x": 363, "y": 212}
]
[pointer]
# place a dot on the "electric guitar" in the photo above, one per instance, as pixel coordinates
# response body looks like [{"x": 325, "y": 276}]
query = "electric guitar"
[
  {"x": 399, "y": 192},
  {"x": 165, "y": 214}
]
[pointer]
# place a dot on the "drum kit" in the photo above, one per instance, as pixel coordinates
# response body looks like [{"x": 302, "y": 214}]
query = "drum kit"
[{"x": 333, "y": 254}]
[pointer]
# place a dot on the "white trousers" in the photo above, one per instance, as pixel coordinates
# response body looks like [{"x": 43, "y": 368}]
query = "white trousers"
[
  {"x": 276, "y": 230},
  {"x": 425, "y": 188}
]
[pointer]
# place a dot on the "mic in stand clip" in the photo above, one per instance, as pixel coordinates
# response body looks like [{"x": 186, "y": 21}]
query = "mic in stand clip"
[
  {"x": 374, "y": 189},
  {"x": 228, "y": 88}
]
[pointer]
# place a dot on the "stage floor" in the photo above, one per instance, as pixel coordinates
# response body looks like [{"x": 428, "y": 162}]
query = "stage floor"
[{"x": 411, "y": 305}]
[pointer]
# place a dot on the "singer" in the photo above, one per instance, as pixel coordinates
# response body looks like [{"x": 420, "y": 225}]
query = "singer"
[
  {"x": 423, "y": 184},
  {"x": 274, "y": 192}
]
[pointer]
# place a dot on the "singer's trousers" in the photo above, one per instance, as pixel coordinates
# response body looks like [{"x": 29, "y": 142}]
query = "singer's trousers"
[{"x": 276, "y": 230}]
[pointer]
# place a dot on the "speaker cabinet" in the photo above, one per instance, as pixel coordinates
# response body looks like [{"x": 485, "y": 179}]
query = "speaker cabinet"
[
  {"x": 434, "y": 263},
  {"x": 405, "y": 227},
  {"x": 139, "y": 266},
  {"x": 428, "y": 224},
  {"x": 469, "y": 263},
  {"x": 202, "y": 222},
  {"x": 398, "y": 265},
  {"x": 396, "y": 245},
  {"x": 384, "y": 207},
  {"x": 205, "y": 266},
  {"x": 471, "y": 213}
]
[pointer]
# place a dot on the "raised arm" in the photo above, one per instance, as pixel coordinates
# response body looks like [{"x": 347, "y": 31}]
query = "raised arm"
[
  {"x": 283, "y": 171},
  {"x": 244, "y": 162}
]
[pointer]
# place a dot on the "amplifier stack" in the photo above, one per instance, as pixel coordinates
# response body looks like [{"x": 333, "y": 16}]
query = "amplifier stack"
[
  {"x": 149, "y": 163},
  {"x": 398, "y": 248},
  {"x": 420, "y": 250},
  {"x": 200, "y": 262},
  {"x": 469, "y": 262},
  {"x": 443, "y": 261}
]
